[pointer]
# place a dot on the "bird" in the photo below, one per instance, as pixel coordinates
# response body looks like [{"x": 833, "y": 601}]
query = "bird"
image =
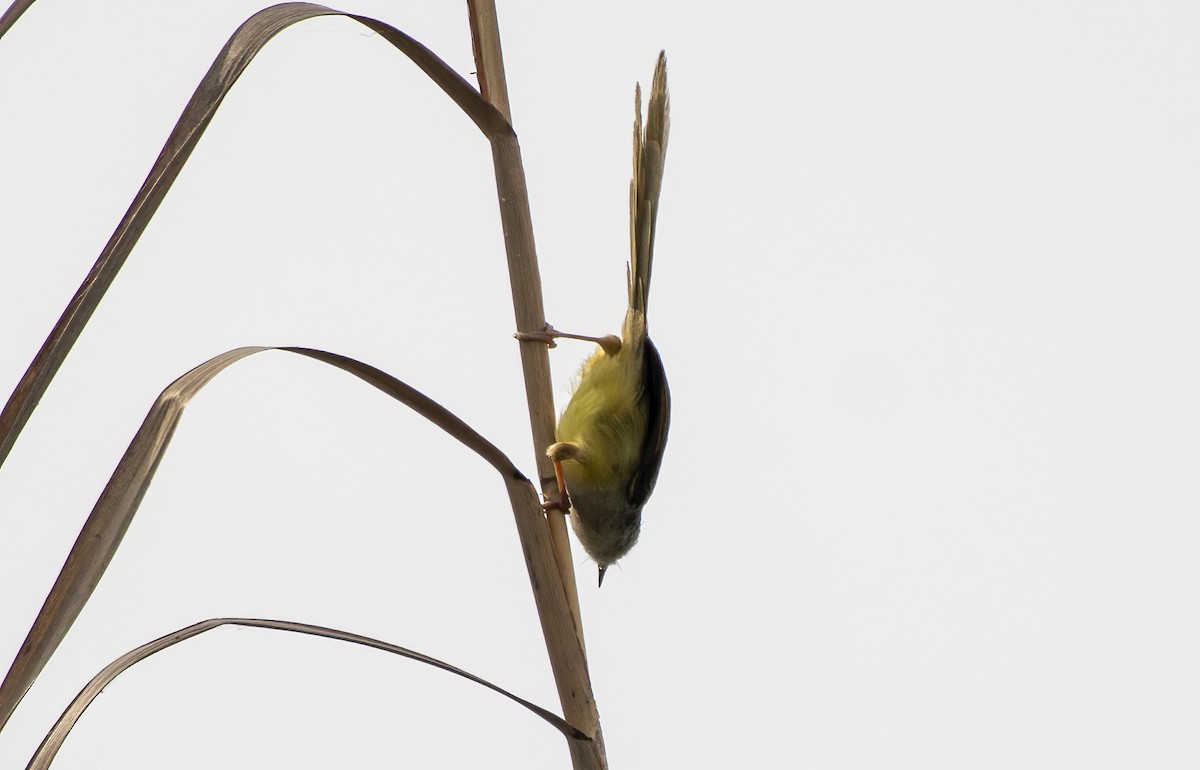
[{"x": 609, "y": 440}]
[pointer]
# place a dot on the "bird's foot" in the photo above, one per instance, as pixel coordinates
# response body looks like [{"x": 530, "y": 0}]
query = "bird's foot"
[
  {"x": 610, "y": 343},
  {"x": 546, "y": 335},
  {"x": 563, "y": 503}
]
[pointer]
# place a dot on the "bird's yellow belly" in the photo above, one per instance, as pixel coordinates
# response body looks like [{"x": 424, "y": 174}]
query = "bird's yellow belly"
[{"x": 607, "y": 419}]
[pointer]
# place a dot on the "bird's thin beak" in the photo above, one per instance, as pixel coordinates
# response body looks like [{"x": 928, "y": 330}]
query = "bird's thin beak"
[{"x": 602, "y": 571}]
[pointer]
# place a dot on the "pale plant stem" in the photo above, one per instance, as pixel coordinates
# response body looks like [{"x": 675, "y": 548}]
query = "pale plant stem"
[{"x": 569, "y": 665}]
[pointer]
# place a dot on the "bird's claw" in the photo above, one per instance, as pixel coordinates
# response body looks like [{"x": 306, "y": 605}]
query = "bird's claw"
[
  {"x": 547, "y": 335},
  {"x": 563, "y": 503}
]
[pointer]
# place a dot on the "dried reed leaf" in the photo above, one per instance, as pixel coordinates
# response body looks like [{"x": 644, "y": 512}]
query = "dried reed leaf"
[
  {"x": 237, "y": 54},
  {"x": 114, "y": 510},
  {"x": 10, "y": 16},
  {"x": 54, "y": 739},
  {"x": 561, "y": 630}
]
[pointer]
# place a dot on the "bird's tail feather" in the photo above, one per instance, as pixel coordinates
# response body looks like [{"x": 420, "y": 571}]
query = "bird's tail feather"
[{"x": 649, "y": 154}]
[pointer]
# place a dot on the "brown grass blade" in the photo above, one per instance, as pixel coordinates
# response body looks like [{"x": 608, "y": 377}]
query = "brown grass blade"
[
  {"x": 237, "y": 54},
  {"x": 114, "y": 510},
  {"x": 561, "y": 631},
  {"x": 54, "y": 739},
  {"x": 13, "y": 13}
]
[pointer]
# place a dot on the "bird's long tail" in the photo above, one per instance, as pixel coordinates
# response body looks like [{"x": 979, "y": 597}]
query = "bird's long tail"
[{"x": 649, "y": 154}]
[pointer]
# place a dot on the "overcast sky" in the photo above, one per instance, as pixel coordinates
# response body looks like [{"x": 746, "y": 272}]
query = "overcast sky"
[{"x": 927, "y": 290}]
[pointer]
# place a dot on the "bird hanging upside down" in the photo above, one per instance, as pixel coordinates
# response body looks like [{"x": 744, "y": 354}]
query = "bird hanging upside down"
[{"x": 610, "y": 438}]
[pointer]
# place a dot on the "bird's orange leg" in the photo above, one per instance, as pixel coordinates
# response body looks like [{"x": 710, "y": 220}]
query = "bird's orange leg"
[
  {"x": 611, "y": 343},
  {"x": 563, "y": 503},
  {"x": 557, "y": 452}
]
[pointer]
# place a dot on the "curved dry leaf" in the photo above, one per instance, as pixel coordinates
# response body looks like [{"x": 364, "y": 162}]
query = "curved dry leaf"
[
  {"x": 10, "y": 16},
  {"x": 547, "y": 576},
  {"x": 420, "y": 403},
  {"x": 237, "y": 54},
  {"x": 114, "y": 510},
  {"x": 54, "y": 739}
]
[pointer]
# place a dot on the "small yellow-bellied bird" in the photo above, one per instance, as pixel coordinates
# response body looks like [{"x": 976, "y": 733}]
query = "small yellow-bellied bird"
[{"x": 610, "y": 438}]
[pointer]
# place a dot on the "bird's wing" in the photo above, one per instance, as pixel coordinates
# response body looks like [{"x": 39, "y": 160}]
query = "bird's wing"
[{"x": 658, "y": 420}]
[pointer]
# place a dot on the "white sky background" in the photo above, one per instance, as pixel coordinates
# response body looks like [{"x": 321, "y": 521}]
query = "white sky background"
[{"x": 926, "y": 288}]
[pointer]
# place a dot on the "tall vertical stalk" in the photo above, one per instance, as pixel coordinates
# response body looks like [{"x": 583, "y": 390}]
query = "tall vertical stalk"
[{"x": 567, "y": 656}]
